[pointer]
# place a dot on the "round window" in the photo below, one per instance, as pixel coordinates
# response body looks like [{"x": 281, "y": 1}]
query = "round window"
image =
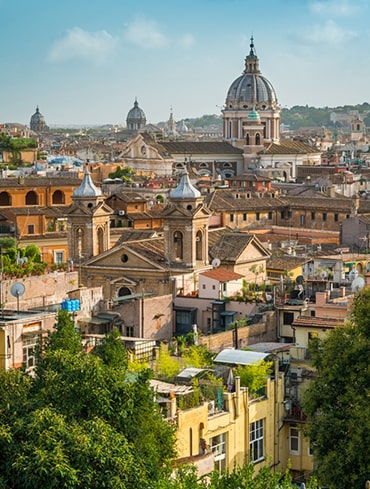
[{"x": 124, "y": 258}]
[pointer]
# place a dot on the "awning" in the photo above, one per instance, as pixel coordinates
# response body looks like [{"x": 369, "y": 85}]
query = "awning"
[
  {"x": 327, "y": 264},
  {"x": 28, "y": 334},
  {"x": 240, "y": 357}
]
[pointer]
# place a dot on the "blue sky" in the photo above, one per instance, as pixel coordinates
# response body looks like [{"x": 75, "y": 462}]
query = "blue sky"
[{"x": 85, "y": 61}]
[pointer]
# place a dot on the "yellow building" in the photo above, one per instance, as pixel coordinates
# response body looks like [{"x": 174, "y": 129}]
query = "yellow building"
[{"x": 235, "y": 428}]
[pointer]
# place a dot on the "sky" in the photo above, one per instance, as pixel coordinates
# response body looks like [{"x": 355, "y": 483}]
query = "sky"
[{"x": 84, "y": 62}]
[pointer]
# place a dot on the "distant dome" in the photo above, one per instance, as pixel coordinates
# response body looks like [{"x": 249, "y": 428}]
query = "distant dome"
[
  {"x": 253, "y": 116},
  {"x": 37, "y": 122},
  {"x": 135, "y": 118},
  {"x": 251, "y": 90},
  {"x": 87, "y": 187},
  {"x": 185, "y": 189}
]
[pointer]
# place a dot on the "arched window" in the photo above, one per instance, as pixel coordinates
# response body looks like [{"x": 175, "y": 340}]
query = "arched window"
[
  {"x": 199, "y": 246},
  {"x": 32, "y": 198},
  {"x": 247, "y": 141},
  {"x": 178, "y": 245},
  {"x": 123, "y": 291},
  {"x": 5, "y": 199},
  {"x": 258, "y": 139},
  {"x": 58, "y": 197}
]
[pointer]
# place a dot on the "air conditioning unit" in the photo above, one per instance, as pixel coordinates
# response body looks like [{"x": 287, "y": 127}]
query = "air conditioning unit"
[
  {"x": 121, "y": 213},
  {"x": 296, "y": 374},
  {"x": 211, "y": 407}
]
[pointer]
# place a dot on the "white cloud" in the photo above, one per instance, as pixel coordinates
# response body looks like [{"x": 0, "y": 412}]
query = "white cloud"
[
  {"x": 328, "y": 33},
  {"x": 80, "y": 44},
  {"x": 334, "y": 7},
  {"x": 145, "y": 33},
  {"x": 187, "y": 41}
]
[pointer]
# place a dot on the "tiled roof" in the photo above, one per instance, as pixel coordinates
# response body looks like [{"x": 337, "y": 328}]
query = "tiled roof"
[
  {"x": 224, "y": 200},
  {"x": 152, "y": 249},
  {"x": 200, "y": 147},
  {"x": 222, "y": 275},
  {"x": 135, "y": 235},
  {"x": 230, "y": 246},
  {"x": 289, "y": 147},
  {"x": 285, "y": 262},
  {"x": 317, "y": 322},
  {"x": 320, "y": 203},
  {"x": 39, "y": 182},
  {"x": 47, "y": 211}
]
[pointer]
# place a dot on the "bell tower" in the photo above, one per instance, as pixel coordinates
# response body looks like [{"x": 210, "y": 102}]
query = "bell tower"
[
  {"x": 88, "y": 221},
  {"x": 186, "y": 226}
]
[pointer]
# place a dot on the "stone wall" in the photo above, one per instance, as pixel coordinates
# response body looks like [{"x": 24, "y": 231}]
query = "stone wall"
[{"x": 265, "y": 331}]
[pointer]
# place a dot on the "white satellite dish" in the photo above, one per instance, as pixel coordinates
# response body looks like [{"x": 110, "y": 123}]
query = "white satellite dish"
[
  {"x": 323, "y": 274},
  {"x": 17, "y": 290},
  {"x": 353, "y": 274},
  {"x": 216, "y": 262},
  {"x": 357, "y": 284}
]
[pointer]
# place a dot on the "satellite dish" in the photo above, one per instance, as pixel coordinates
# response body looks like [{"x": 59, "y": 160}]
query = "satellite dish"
[
  {"x": 357, "y": 284},
  {"x": 299, "y": 279},
  {"x": 353, "y": 274},
  {"x": 216, "y": 262},
  {"x": 17, "y": 290},
  {"x": 323, "y": 274}
]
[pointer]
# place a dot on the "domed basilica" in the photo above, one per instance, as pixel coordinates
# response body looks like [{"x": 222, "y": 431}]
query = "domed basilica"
[{"x": 251, "y": 92}]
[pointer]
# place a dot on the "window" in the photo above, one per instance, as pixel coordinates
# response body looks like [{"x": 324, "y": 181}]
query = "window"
[
  {"x": 288, "y": 317},
  {"x": 257, "y": 216},
  {"x": 130, "y": 331},
  {"x": 313, "y": 217},
  {"x": 58, "y": 257},
  {"x": 302, "y": 220},
  {"x": 203, "y": 286},
  {"x": 231, "y": 217},
  {"x": 213, "y": 287},
  {"x": 30, "y": 229},
  {"x": 336, "y": 217},
  {"x": 29, "y": 345},
  {"x": 244, "y": 216},
  {"x": 324, "y": 216},
  {"x": 256, "y": 441},
  {"x": 283, "y": 214},
  {"x": 270, "y": 215},
  {"x": 294, "y": 441},
  {"x": 217, "y": 445}
]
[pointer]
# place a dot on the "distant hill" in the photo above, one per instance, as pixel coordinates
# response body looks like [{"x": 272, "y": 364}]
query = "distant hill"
[{"x": 297, "y": 117}]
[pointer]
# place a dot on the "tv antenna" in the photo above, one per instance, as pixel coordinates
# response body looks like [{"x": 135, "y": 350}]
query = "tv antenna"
[{"x": 17, "y": 290}]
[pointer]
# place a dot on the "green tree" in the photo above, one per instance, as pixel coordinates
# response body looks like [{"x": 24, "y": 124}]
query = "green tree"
[
  {"x": 337, "y": 401},
  {"x": 254, "y": 376},
  {"x": 80, "y": 422},
  {"x": 112, "y": 351}
]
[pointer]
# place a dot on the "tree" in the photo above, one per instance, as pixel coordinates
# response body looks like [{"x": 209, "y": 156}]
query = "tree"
[
  {"x": 253, "y": 376},
  {"x": 112, "y": 351},
  {"x": 81, "y": 421},
  {"x": 337, "y": 401}
]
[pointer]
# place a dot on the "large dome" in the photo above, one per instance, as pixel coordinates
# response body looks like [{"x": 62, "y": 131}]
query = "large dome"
[
  {"x": 251, "y": 90},
  {"x": 135, "y": 118}
]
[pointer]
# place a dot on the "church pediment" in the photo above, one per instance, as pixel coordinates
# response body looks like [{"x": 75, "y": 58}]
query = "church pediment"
[
  {"x": 136, "y": 255},
  {"x": 139, "y": 148}
]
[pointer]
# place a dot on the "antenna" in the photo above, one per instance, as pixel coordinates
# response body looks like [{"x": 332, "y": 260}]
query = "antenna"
[
  {"x": 17, "y": 290},
  {"x": 216, "y": 262}
]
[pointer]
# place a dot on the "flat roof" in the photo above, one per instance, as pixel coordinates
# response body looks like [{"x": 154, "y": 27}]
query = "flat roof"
[{"x": 240, "y": 357}]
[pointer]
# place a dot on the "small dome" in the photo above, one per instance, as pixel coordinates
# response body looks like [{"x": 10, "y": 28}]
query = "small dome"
[
  {"x": 253, "y": 116},
  {"x": 135, "y": 118},
  {"x": 87, "y": 187},
  {"x": 185, "y": 189},
  {"x": 251, "y": 89},
  {"x": 37, "y": 122}
]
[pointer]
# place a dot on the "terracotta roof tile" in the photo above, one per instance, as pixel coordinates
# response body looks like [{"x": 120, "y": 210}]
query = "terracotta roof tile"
[{"x": 222, "y": 275}]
